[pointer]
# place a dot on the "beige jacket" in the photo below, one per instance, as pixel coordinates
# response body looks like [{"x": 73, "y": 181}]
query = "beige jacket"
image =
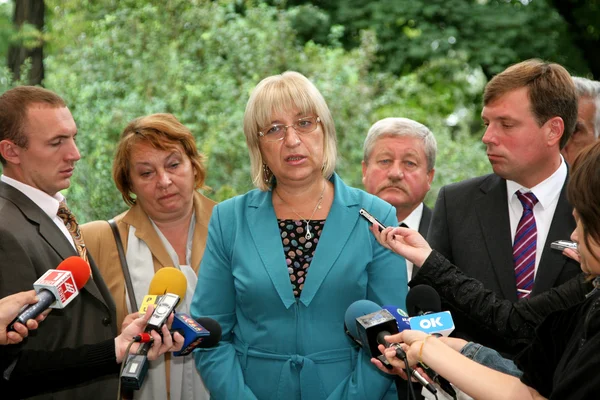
[{"x": 100, "y": 242}]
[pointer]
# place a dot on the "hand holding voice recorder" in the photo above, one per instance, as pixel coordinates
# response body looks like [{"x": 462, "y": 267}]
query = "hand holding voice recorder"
[{"x": 365, "y": 214}]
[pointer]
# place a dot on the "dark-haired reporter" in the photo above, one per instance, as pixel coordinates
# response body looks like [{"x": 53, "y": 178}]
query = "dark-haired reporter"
[
  {"x": 561, "y": 361},
  {"x": 494, "y": 322},
  {"x": 26, "y": 373}
]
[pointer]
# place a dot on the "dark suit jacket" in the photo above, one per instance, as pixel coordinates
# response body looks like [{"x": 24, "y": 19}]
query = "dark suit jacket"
[
  {"x": 39, "y": 371},
  {"x": 471, "y": 227},
  {"x": 423, "y": 229},
  {"x": 30, "y": 244},
  {"x": 425, "y": 221}
]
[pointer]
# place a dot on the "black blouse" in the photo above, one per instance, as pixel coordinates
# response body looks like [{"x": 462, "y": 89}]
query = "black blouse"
[
  {"x": 497, "y": 323},
  {"x": 563, "y": 359}
]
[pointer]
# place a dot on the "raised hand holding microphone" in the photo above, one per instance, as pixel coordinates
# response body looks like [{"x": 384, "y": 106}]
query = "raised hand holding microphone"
[
  {"x": 161, "y": 343},
  {"x": 9, "y": 308},
  {"x": 424, "y": 306},
  {"x": 406, "y": 339},
  {"x": 367, "y": 324},
  {"x": 57, "y": 287},
  {"x": 167, "y": 287}
]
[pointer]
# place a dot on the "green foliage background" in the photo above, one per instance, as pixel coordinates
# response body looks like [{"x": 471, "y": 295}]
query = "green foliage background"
[
  {"x": 115, "y": 60},
  {"x": 490, "y": 34}
]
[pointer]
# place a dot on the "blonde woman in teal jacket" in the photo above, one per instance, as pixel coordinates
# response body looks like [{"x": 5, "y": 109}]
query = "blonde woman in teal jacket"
[{"x": 283, "y": 262}]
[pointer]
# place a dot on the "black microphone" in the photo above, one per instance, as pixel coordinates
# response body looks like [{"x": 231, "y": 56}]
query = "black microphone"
[
  {"x": 204, "y": 342},
  {"x": 366, "y": 323},
  {"x": 424, "y": 301}
]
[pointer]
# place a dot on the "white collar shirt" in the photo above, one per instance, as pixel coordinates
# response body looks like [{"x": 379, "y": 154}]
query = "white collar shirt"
[{"x": 413, "y": 221}]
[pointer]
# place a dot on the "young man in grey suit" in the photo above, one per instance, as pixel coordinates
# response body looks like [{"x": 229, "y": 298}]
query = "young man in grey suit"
[
  {"x": 38, "y": 155},
  {"x": 498, "y": 228},
  {"x": 398, "y": 166}
]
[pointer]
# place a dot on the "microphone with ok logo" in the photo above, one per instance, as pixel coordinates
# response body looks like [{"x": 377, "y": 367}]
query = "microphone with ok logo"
[{"x": 424, "y": 307}]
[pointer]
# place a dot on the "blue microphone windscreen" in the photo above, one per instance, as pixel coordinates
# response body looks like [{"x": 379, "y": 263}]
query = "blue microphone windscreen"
[{"x": 358, "y": 309}]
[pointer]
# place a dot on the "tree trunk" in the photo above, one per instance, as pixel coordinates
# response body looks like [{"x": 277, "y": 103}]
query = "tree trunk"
[{"x": 31, "y": 12}]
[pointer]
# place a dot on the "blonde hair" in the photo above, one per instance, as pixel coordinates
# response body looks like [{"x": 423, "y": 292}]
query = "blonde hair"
[{"x": 280, "y": 94}]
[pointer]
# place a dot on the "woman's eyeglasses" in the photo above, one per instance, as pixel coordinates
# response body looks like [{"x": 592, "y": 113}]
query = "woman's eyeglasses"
[{"x": 275, "y": 132}]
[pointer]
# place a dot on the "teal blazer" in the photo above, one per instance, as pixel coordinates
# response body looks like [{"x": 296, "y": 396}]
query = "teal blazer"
[{"x": 276, "y": 346}]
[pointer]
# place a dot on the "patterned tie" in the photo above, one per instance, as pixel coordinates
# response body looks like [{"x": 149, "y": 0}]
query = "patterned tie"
[
  {"x": 525, "y": 245},
  {"x": 73, "y": 227}
]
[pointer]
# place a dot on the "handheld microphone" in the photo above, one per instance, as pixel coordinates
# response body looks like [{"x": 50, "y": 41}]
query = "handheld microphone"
[
  {"x": 369, "y": 323},
  {"x": 57, "y": 288},
  {"x": 355, "y": 310},
  {"x": 136, "y": 367},
  {"x": 197, "y": 334},
  {"x": 403, "y": 323},
  {"x": 166, "y": 280},
  {"x": 364, "y": 320},
  {"x": 400, "y": 315},
  {"x": 422, "y": 299},
  {"x": 197, "y": 341},
  {"x": 425, "y": 307}
]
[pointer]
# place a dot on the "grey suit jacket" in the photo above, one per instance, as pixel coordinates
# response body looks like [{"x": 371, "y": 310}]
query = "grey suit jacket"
[
  {"x": 30, "y": 244},
  {"x": 470, "y": 226}
]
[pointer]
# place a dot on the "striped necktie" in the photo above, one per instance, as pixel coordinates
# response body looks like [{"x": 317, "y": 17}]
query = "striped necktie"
[{"x": 525, "y": 244}]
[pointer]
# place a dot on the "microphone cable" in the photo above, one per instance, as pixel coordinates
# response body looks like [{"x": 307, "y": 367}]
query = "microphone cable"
[{"x": 401, "y": 354}]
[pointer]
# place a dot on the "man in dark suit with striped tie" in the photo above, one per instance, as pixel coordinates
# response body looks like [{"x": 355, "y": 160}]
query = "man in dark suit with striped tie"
[
  {"x": 398, "y": 166},
  {"x": 498, "y": 228}
]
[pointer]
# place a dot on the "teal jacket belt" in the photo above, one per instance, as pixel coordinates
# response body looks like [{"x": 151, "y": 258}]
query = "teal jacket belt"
[{"x": 306, "y": 364}]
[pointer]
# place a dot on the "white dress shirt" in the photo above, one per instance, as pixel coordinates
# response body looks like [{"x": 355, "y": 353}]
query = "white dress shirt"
[{"x": 413, "y": 221}]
